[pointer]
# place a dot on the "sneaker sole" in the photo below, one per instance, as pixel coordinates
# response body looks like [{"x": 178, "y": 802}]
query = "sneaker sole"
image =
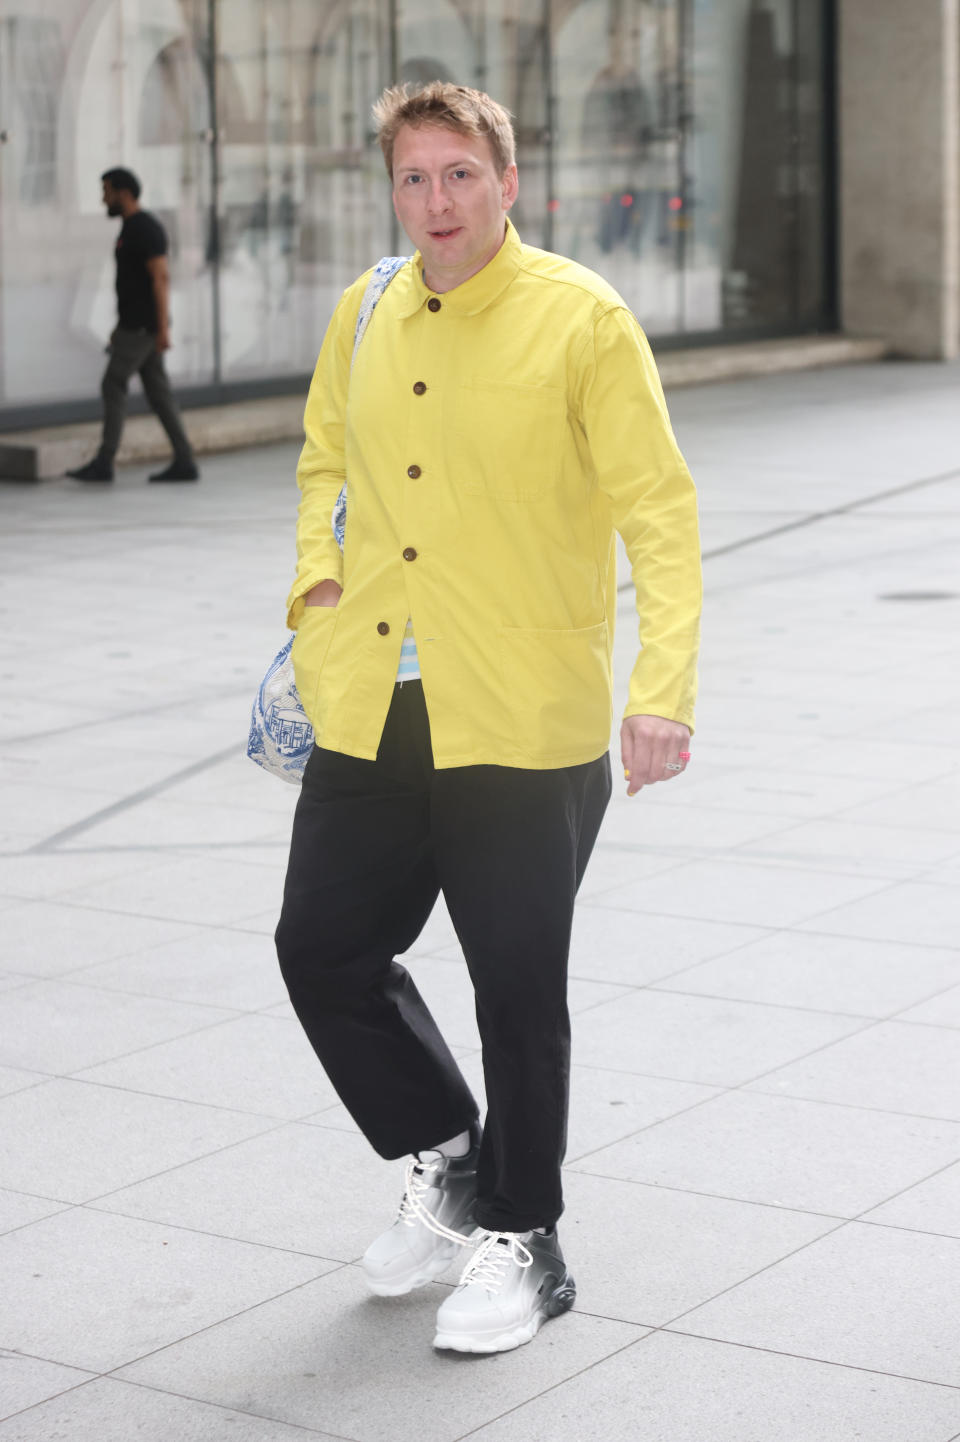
[
  {"x": 561, "y": 1299},
  {"x": 426, "y": 1272}
]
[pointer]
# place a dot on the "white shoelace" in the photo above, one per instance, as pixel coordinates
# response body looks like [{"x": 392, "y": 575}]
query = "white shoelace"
[
  {"x": 494, "y": 1253},
  {"x": 418, "y": 1180}
]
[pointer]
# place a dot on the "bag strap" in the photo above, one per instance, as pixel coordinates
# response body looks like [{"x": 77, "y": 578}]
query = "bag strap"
[{"x": 383, "y": 273}]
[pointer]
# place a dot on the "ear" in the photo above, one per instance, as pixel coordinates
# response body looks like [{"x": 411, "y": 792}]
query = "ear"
[{"x": 510, "y": 187}]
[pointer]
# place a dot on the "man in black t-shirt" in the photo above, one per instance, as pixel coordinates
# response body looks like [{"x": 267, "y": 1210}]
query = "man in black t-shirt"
[{"x": 142, "y": 333}]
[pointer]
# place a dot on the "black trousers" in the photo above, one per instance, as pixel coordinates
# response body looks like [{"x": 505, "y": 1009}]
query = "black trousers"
[
  {"x": 132, "y": 352},
  {"x": 374, "y": 843}
]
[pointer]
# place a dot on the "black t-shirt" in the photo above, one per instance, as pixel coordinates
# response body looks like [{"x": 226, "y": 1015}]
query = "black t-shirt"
[{"x": 141, "y": 238}]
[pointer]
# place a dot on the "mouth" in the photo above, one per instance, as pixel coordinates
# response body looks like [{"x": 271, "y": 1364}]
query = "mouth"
[{"x": 445, "y": 234}]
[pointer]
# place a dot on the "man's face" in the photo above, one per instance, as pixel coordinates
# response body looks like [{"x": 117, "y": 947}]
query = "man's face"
[
  {"x": 450, "y": 200},
  {"x": 111, "y": 199}
]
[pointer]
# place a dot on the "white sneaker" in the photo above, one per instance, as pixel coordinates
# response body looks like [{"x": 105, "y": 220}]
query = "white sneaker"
[
  {"x": 510, "y": 1286},
  {"x": 435, "y": 1220}
]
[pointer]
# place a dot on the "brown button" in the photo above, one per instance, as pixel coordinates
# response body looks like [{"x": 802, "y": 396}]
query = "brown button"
[
  {"x": 413, "y": 472},
  {"x": 409, "y": 554},
  {"x": 433, "y": 304},
  {"x": 383, "y": 628},
  {"x": 419, "y": 388}
]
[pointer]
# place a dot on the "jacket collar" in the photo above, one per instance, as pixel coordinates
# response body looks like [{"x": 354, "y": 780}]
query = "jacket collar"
[{"x": 475, "y": 294}]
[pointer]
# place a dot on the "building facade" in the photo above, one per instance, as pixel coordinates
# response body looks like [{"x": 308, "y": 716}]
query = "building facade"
[{"x": 682, "y": 148}]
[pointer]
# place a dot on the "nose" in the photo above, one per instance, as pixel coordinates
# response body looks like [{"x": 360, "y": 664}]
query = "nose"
[{"x": 438, "y": 200}]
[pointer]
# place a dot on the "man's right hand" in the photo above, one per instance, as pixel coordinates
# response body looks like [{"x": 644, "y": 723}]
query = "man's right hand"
[{"x": 324, "y": 593}]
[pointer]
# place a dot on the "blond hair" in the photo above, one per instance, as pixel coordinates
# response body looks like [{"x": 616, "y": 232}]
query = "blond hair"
[{"x": 449, "y": 107}]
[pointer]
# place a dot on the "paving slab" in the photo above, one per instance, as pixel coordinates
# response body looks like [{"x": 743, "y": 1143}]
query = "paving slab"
[
  {"x": 785, "y": 1153},
  {"x": 61, "y": 1028},
  {"x": 892, "y": 1066},
  {"x": 16, "y": 1079},
  {"x": 910, "y": 911},
  {"x": 765, "y": 980},
  {"x": 362, "y": 1367},
  {"x": 19, "y": 1209},
  {"x": 96, "y": 1139},
  {"x": 299, "y": 1188},
  {"x": 206, "y": 965},
  {"x": 96, "y": 1291},
  {"x": 46, "y": 938},
  {"x": 862, "y": 1297},
  {"x": 699, "y": 1039},
  {"x": 104, "y": 1409},
  {"x": 683, "y": 1389},
  {"x": 827, "y": 973},
  {"x": 745, "y": 892},
  {"x": 25, "y": 1381},
  {"x": 202, "y": 888},
  {"x": 647, "y": 1254},
  {"x": 940, "y": 1010},
  {"x": 256, "y": 1064},
  {"x": 932, "y": 1205}
]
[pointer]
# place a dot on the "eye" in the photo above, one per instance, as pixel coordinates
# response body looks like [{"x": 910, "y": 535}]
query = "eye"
[
  {"x": 460, "y": 173},
  {"x": 413, "y": 179}
]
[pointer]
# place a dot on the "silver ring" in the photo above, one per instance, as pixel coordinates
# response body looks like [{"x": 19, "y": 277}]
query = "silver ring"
[{"x": 673, "y": 766}]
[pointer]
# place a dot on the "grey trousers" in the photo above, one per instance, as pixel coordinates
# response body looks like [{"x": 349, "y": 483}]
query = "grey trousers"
[{"x": 136, "y": 351}]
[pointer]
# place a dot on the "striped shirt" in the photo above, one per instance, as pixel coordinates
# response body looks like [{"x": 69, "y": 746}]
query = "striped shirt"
[{"x": 409, "y": 667}]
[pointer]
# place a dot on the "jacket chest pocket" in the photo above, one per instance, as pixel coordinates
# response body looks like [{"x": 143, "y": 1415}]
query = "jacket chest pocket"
[{"x": 507, "y": 440}]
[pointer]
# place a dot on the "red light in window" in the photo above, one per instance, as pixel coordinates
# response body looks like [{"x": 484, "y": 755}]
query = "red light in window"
[
  {"x": 553, "y": 205},
  {"x": 626, "y": 201},
  {"x": 676, "y": 202}
]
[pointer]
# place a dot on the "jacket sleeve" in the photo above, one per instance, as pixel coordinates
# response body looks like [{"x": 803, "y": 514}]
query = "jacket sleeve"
[
  {"x": 321, "y": 470},
  {"x": 654, "y": 507}
]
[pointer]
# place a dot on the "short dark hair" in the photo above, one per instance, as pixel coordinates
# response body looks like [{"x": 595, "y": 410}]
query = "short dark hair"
[{"x": 122, "y": 179}]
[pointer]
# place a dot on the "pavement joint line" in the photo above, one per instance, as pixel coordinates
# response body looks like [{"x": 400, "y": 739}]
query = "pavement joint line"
[
  {"x": 853, "y": 1106},
  {"x": 814, "y": 517},
  {"x": 639, "y": 1131},
  {"x": 167, "y": 848},
  {"x": 55, "y": 1396},
  {"x": 877, "y": 941},
  {"x": 76, "y": 1079},
  {"x": 113, "y": 718},
  {"x": 223, "y": 1407},
  {"x": 210, "y": 1326},
  {"x": 671, "y": 1331},
  {"x": 92, "y": 1206},
  {"x": 146, "y": 793},
  {"x": 74, "y": 978},
  {"x": 767, "y": 1267},
  {"x": 780, "y": 1207},
  {"x": 867, "y": 1221},
  {"x": 658, "y": 986},
  {"x": 641, "y": 1327},
  {"x": 864, "y": 1216}
]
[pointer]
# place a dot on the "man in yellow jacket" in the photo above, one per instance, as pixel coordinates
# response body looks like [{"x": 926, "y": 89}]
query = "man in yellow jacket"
[{"x": 500, "y": 421}]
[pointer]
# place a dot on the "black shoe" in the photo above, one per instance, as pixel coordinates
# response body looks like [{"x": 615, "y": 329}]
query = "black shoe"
[
  {"x": 95, "y": 470},
  {"x": 177, "y": 471}
]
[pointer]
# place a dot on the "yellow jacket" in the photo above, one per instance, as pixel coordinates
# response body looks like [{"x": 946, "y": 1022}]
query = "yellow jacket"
[{"x": 493, "y": 438}]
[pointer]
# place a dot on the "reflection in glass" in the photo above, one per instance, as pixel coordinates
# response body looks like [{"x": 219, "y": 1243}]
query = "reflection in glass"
[{"x": 675, "y": 146}]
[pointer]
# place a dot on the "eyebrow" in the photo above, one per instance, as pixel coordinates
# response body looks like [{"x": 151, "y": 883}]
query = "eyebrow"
[{"x": 450, "y": 165}]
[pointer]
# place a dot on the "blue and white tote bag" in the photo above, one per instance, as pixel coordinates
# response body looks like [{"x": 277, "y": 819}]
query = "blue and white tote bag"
[{"x": 281, "y": 737}]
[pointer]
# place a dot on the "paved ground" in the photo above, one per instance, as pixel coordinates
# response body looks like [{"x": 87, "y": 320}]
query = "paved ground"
[{"x": 764, "y": 1167}]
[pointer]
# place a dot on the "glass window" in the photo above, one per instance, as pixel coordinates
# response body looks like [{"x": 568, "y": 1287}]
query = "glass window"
[
  {"x": 675, "y": 146},
  {"x": 303, "y": 202},
  {"x": 74, "y": 80},
  {"x": 757, "y": 187}
]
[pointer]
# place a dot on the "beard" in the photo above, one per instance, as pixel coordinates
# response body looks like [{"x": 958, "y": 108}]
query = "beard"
[{"x": 113, "y": 208}]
